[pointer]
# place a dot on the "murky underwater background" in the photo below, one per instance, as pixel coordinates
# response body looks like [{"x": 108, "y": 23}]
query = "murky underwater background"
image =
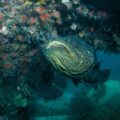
[{"x": 31, "y": 88}]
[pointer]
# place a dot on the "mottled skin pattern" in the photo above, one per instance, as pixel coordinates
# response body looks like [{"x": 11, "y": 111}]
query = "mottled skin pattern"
[{"x": 70, "y": 55}]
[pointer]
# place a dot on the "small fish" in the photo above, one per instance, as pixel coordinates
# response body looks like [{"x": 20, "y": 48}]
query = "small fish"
[{"x": 76, "y": 59}]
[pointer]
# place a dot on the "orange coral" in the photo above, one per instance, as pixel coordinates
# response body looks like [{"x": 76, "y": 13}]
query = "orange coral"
[
  {"x": 32, "y": 20},
  {"x": 1, "y": 16},
  {"x": 40, "y": 10},
  {"x": 44, "y": 17}
]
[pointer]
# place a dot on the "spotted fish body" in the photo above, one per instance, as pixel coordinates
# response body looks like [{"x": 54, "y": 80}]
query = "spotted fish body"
[{"x": 72, "y": 56}]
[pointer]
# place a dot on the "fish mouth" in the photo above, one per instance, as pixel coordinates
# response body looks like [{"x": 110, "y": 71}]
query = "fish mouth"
[{"x": 57, "y": 44}]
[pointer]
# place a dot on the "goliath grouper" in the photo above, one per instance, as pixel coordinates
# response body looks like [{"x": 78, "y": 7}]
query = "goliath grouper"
[{"x": 76, "y": 59}]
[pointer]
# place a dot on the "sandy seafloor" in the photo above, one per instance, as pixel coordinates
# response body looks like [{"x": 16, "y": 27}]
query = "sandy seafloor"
[{"x": 59, "y": 109}]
